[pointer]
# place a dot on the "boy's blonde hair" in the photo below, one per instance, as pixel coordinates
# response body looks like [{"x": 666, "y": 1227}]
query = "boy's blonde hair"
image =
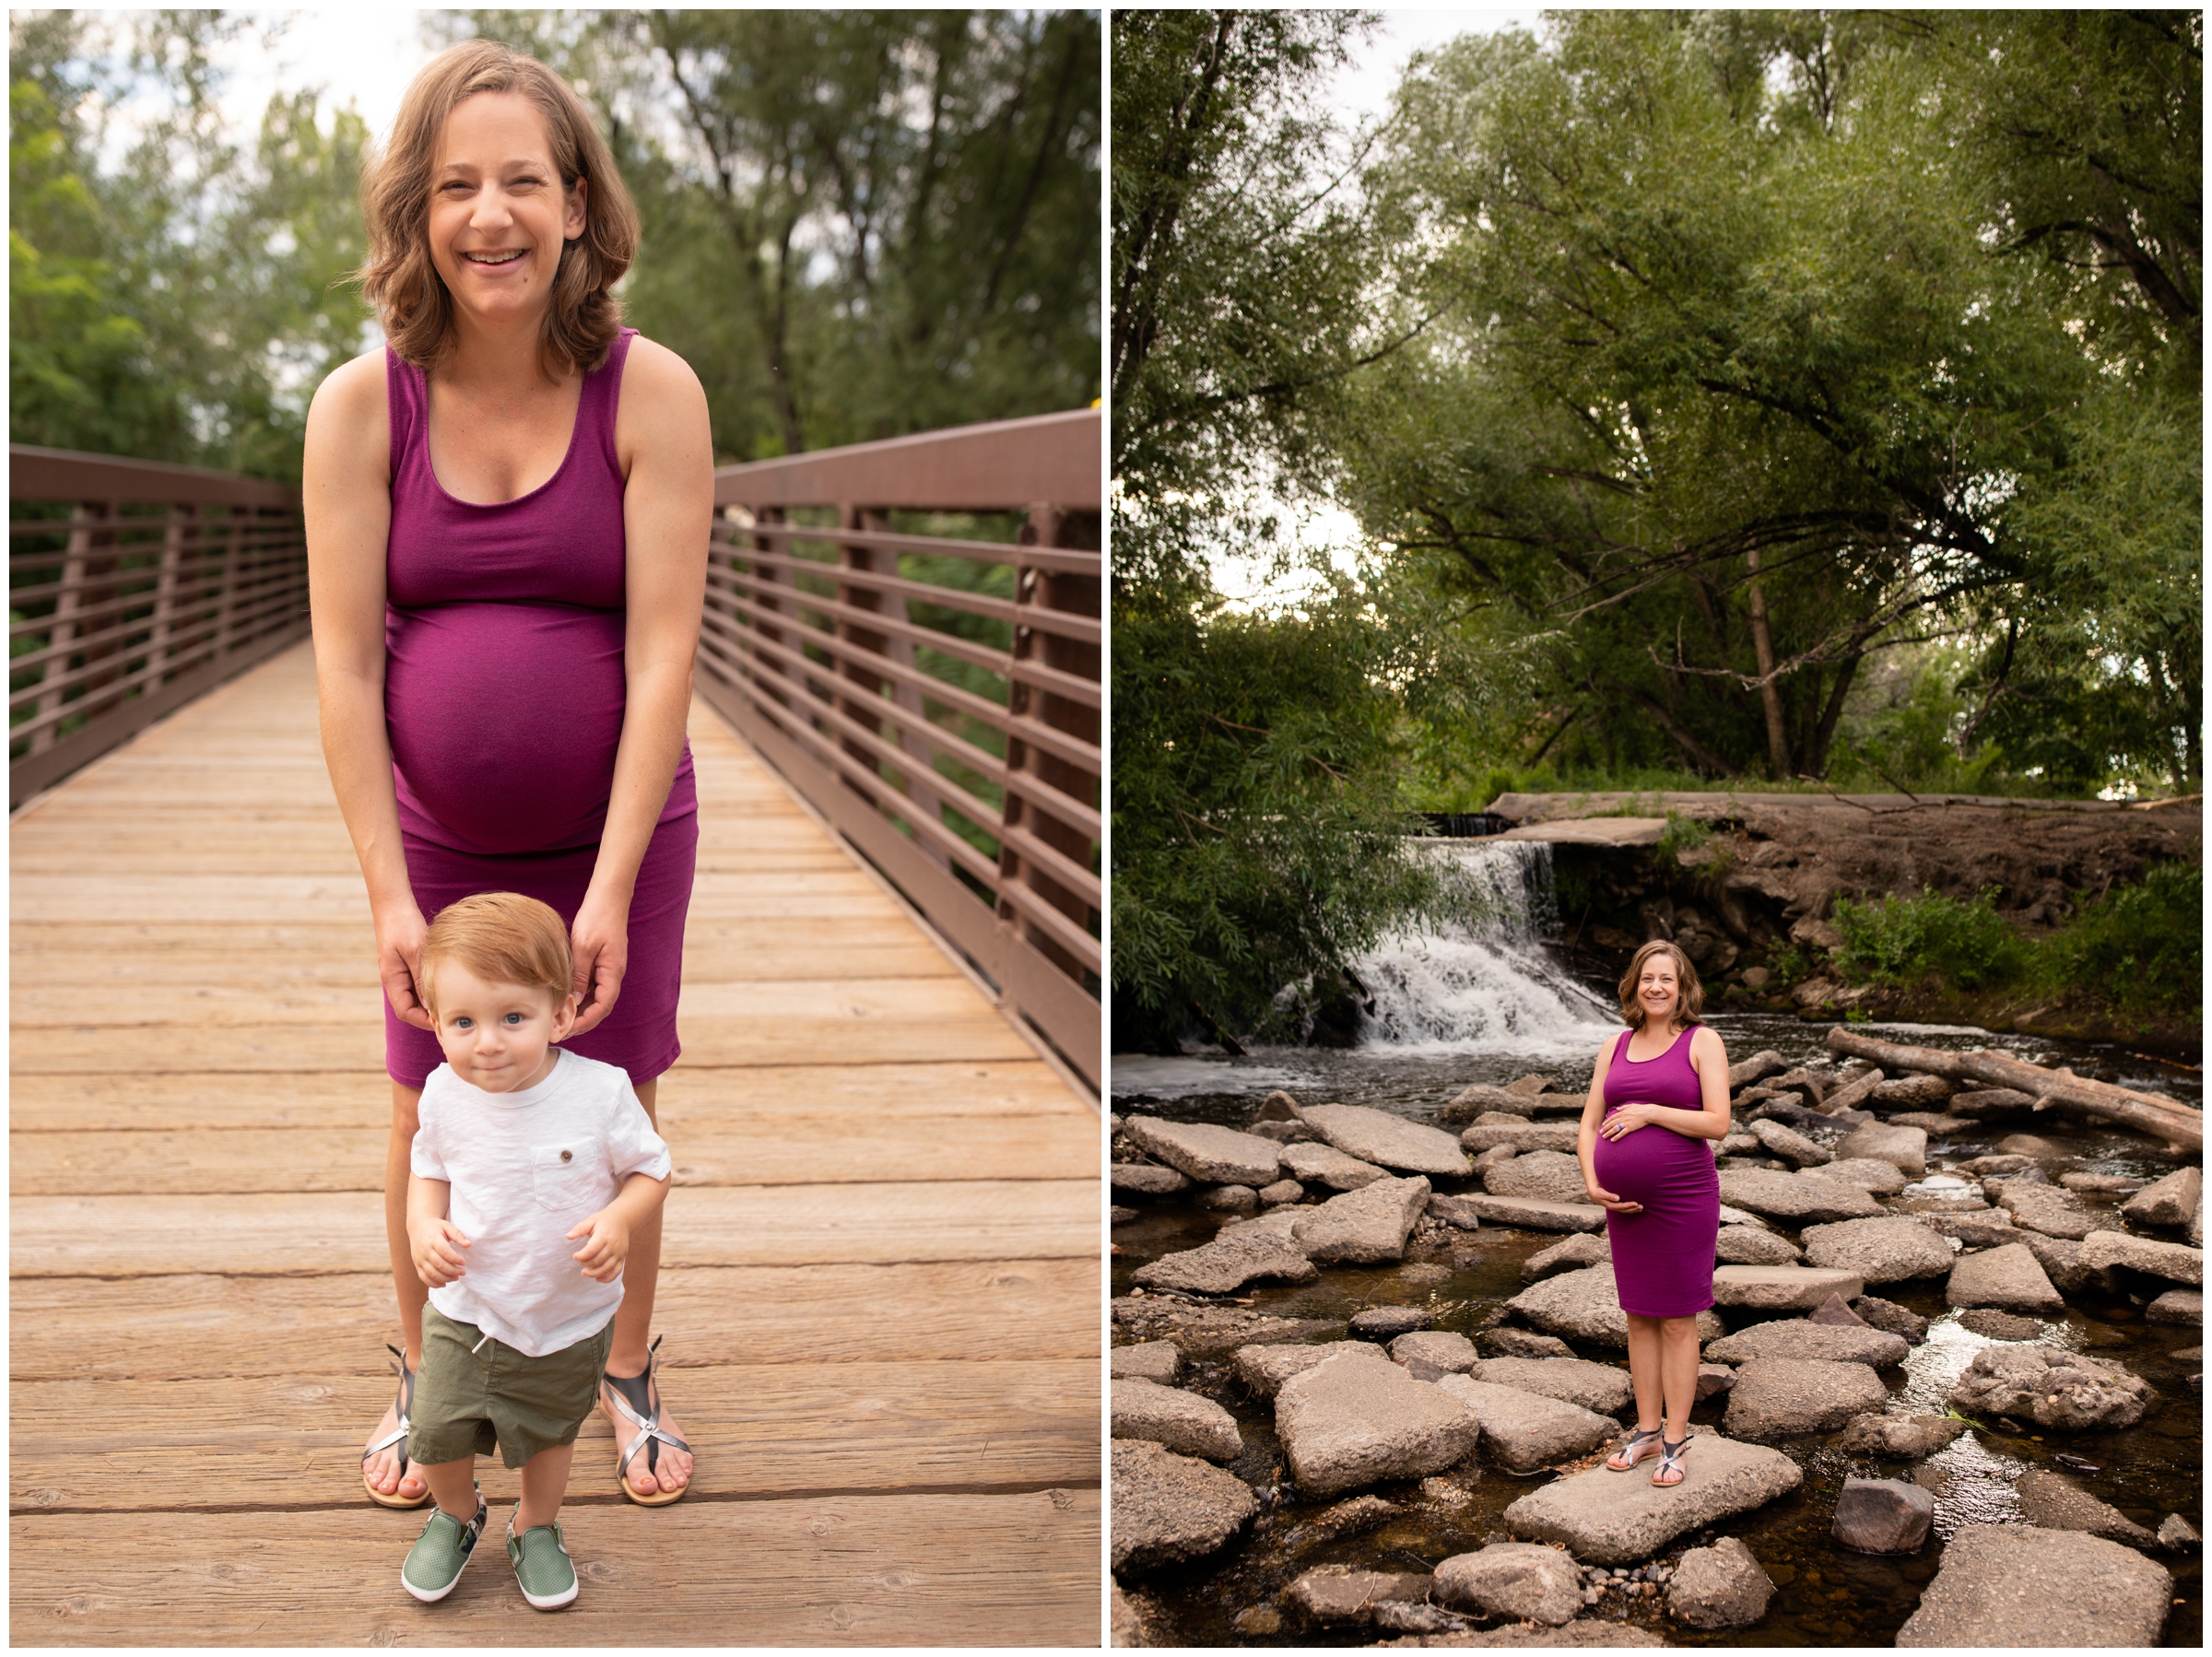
[{"x": 503, "y": 938}]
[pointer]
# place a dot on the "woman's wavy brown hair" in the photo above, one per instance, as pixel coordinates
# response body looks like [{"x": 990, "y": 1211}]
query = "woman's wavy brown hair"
[
  {"x": 399, "y": 278},
  {"x": 1692, "y": 992}
]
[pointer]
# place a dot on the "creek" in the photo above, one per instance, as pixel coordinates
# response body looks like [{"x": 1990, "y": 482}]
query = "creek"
[{"x": 1484, "y": 1000}]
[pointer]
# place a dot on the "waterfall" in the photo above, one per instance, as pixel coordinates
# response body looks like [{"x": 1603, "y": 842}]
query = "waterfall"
[{"x": 1484, "y": 979}]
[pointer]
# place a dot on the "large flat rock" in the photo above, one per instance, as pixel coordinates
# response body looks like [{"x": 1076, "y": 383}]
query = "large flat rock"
[
  {"x": 2175, "y": 1261},
  {"x": 1183, "y": 1421},
  {"x": 1325, "y": 1165},
  {"x": 1514, "y": 1579},
  {"x": 2051, "y": 1209},
  {"x": 1168, "y": 1508},
  {"x": 1802, "y": 1198},
  {"x": 1753, "y": 1245},
  {"x": 1147, "y": 1178},
  {"x": 1541, "y": 1176},
  {"x": 1364, "y": 1226},
  {"x": 1781, "y": 1287},
  {"x": 2168, "y": 1201},
  {"x": 1905, "y": 1149},
  {"x": 1533, "y": 1215},
  {"x": 2057, "y": 1504},
  {"x": 1593, "y": 831},
  {"x": 1356, "y": 1418},
  {"x": 2069, "y": 1390},
  {"x": 1586, "y": 1305},
  {"x": 1389, "y": 1141},
  {"x": 2021, "y": 1585},
  {"x": 1865, "y": 1172},
  {"x": 1616, "y": 1519},
  {"x": 2009, "y": 1277},
  {"x": 1781, "y": 1397},
  {"x": 1217, "y": 1155},
  {"x": 1892, "y": 1249},
  {"x": 1600, "y": 1388},
  {"x": 1263, "y": 1369},
  {"x": 1525, "y": 1137},
  {"x": 1524, "y": 1431},
  {"x": 1227, "y": 1263},
  {"x": 1794, "y": 1337}
]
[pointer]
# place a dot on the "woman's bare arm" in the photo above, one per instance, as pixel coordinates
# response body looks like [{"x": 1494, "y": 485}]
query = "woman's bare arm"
[
  {"x": 1585, "y": 1135},
  {"x": 345, "y": 485},
  {"x": 662, "y": 438}
]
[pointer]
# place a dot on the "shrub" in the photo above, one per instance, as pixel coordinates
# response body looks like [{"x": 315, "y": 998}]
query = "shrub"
[
  {"x": 1899, "y": 940},
  {"x": 2141, "y": 946}
]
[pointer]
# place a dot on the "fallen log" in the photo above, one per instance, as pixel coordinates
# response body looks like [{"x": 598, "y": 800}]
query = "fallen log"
[{"x": 2167, "y": 1119}]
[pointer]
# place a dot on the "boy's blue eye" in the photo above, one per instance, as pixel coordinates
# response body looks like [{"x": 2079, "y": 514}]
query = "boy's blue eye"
[
  {"x": 462, "y": 1023},
  {"x": 514, "y": 1019}
]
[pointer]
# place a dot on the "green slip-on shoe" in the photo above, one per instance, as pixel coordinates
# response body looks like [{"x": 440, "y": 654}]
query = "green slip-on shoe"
[
  {"x": 440, "y": 1553},
  {"x": 543, "y": 1569}
]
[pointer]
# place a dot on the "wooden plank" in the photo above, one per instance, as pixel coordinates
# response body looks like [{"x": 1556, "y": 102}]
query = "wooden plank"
[
  {"x": 823, "y": 1571},
  {"x": 690, "y": 1094},
  {"x": 748, "y": 1149},
  {"x": 307, "y": 1233},
  {"x": 294, "y": 1439},
  {"x": 196, "y": 1327}
]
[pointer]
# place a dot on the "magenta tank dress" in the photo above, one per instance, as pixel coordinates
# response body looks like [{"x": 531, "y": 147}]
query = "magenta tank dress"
[
  {"x": 1662, "y": 1258},
  {"x": 503, "y": 698}
]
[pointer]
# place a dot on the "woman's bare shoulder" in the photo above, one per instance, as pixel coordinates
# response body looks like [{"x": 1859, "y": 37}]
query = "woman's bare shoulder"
[
  {"x": 1705, "y": 1043},
  {"x": 661, "y": 402},
  {"x": 652, "y": 368},
  {"x": 349, "y": 422}
]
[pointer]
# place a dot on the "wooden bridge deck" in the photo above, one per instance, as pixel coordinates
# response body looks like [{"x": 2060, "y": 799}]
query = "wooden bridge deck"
[{"x": 881, "y": 1288}]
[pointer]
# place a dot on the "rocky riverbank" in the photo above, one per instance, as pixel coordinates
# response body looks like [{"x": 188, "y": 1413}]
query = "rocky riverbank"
[{"x": 1367, "y": 1370}]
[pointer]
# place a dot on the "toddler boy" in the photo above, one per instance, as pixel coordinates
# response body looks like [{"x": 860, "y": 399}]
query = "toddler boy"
[{"x": 523, "y": 1151}]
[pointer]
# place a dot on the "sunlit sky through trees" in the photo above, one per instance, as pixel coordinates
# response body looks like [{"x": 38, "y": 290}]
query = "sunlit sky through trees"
[{"x": 1360, "y": 92}]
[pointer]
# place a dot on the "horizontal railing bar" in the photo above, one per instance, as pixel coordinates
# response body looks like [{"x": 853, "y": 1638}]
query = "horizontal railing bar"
[
  {"x": 206, "y": 592},
  {"x": 150, "y": 573},
  {"x": 1045, "y": 460},
  {"x": 185, "y": 649},
  {"x": 873, "y": 621},
  {"x": 1069, "y": 686},
  {"x": 38, "y": 473},
  {"x": 1061, "y": 744},
  {"x": 1082, "y": 629},
  {"x": 990, "y": 765},
  {"x": 1065, "y": 869},
  {"x": 1061, "y": 560}
]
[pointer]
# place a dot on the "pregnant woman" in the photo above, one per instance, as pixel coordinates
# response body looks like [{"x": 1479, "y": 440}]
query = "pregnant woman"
[
  {"x": 506, "y": 516},
  {"x": 1657, "y": 1104}
]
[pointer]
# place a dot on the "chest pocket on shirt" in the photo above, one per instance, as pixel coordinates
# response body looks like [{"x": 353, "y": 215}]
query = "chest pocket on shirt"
[{"x": 569, "y": 1176}]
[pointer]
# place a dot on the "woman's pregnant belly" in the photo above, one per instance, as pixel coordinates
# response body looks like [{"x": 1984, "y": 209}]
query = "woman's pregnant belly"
[
  {"x": 1652, "y": 1166},
  {"x": 504, "y": 719}
]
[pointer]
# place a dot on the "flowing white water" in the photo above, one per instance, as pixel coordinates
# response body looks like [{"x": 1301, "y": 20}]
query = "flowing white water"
[{"x": 1484, "y": 979}]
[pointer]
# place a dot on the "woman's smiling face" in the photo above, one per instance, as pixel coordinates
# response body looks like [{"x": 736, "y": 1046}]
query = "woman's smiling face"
[
  {"x": 499, "y": 217},
  {"x": 1659, "y": 988}
]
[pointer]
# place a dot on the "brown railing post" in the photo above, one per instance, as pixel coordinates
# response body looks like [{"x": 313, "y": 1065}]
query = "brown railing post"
[
  {"x": 165, "y": 595},
  {"x": 1029, "y": 808},
  {"x": 83, "y": 517},
  {"x": 866, "y": 711}
]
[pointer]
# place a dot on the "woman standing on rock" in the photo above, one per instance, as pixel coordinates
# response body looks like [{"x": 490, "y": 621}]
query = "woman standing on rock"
[{"x": 1659, "y": 1190}]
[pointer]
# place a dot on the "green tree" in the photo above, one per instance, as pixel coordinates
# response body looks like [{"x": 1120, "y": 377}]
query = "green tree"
[
  {"x": 182, "y": 305},
  {"x": 1738, "y": 377}
]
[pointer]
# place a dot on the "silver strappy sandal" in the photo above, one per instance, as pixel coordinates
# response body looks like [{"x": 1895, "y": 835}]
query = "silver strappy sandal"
[
  {"x": 402, "y": 1406},
  {"x": 634, "y": 1396},
  {"x": 1636, "y": 1450},
  {"x": 1671, "y": 1460}
]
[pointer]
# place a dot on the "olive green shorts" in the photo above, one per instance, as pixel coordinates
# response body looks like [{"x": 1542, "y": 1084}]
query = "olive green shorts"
[{"x": 468, "y": 1403}]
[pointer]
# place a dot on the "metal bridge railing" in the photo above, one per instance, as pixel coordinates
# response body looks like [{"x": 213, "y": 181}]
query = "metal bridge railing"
[
  {"x": 911, "y": 632},
  {"x": 133, "y": 588}
]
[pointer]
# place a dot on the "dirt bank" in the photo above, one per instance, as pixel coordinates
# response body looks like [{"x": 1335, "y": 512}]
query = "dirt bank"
[{"x": 1764, "y": 883}]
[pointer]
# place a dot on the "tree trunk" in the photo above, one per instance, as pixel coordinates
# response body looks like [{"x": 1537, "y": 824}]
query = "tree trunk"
[
  {"x": 1817, "y": 760},
  {"x": 1769, "y": 695},
  {"x": 2163, "y": 1118}
]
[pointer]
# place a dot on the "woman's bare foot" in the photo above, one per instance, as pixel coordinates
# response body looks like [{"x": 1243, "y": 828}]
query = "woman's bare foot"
[
  {"x": 381, "y": 1470},
  {"x": 672, "y": 1467}
]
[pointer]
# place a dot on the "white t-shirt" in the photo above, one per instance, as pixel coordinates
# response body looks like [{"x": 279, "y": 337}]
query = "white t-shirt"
[{"x": 524, "y": 1166}]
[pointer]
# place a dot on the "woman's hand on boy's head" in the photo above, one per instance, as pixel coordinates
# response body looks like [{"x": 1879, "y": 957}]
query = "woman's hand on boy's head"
[
  {"x": 435, "y": 1245},
  {"x": 607, "y": 1244}
]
